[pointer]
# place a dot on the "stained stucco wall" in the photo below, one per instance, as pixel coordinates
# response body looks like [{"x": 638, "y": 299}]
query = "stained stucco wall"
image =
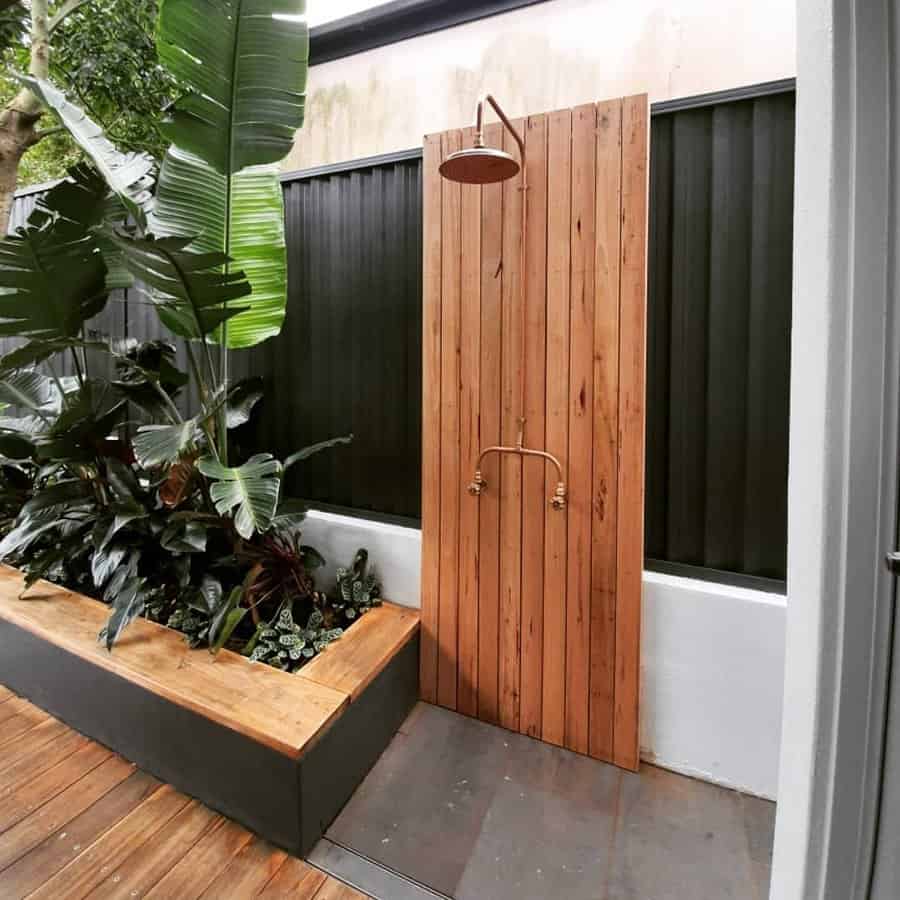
[{"x": 552, "y": 55}]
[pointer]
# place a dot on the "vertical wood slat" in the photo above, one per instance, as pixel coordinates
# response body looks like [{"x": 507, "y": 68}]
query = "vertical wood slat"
[
  {"x": 470, "y": 441},
  {"x": 606, "y": 427},
  {"x": 581, "y": 409},
  {"x": 559, "y": 190},
  {"x": 449, "y": 434},
  {"x": 632, "y": 415},
  {"x": 536, "y": 483},
  {"x": 490, "y": 402},
  {"x": 431, "y": 415},
  {"x": 510, "y": 465}
]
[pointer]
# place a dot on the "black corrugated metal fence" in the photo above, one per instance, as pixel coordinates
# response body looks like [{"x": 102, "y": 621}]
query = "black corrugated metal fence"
[{"x": 349, "y": 357}]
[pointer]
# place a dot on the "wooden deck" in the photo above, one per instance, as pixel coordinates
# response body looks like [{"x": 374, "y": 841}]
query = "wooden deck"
[{"x": 76, "y": 821}]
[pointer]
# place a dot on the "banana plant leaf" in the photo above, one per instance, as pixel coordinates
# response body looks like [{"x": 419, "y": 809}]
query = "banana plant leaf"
[
  {"x": 240, "y": 216},
  {"x": 244, "y": 63},
  {"x": 189, "y": 289},
  {"x": 129, "y": 175},
  {"x": 250, "y": 491}
]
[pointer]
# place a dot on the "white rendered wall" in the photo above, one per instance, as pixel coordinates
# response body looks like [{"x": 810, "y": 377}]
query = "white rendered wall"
[
  {"x": 712, "y": 661},
  {"x": 549, "y": 56}
]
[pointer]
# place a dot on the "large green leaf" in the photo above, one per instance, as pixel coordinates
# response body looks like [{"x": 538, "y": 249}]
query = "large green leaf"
[
  {"x": 155, "y": 445},
  {"x": 250, "y": 491},
  {"x": 130, "y": 175},
  {"x": 52, "y": 272},
  {"x": 190, "y": 289},
  {"x": 91, "y": 416},
  {"x": 31, "y": 390},
  {"x": 241, "y": 216},
  {"x": 244, "y": 63}
]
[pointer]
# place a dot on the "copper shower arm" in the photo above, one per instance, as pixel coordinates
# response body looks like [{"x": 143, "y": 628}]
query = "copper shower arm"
[{"x": 479, "y": 125}]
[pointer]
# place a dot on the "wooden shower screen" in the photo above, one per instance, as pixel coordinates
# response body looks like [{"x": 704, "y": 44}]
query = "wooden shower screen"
[{"x": 531, "y": 616}]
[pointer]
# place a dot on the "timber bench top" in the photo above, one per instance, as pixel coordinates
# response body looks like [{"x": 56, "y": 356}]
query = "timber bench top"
[{"x": 284, "y": 712}]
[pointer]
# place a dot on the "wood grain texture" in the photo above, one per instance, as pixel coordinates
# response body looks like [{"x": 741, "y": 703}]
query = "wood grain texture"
[
  {"x": 86, "y": 871},
  {"x": 35, "y": 763},
  {"x": 198, "y": 869},
  {"x": 536, "y": 612},
  {"x": 632, "y": 416},
  {"x": 431, "y": 415},
  {"x": 469, "y": 440},
  {"x": 135, "y": 875},
  {"x": 559, "y": 252},
  {"x": 449, "y": 435},
  {"x": 510, "y": 484},
  {"x": 116, "y": 832},
  {"x": 21, "y": 802},
  {"x": 351, "y": 664},
  {"x": 255, "y": 864},
  {"x": 537, "y": 484},
  {"x": 272, "y": 707},
  {"x": 32, "y": 742},
  {"x": 606, "y": 425},
  {"x": 40, "y": 846},
  {"x": 79, "y": 795},
  {"x": 492, "y": 212},
  {"x": 294, "y": 879},
  {"x": 581, "y": 415}
]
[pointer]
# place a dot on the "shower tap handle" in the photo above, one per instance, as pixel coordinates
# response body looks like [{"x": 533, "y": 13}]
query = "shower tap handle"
[
  {"x": 478, "y": 486},
  {"x": 559, "y": 500}
]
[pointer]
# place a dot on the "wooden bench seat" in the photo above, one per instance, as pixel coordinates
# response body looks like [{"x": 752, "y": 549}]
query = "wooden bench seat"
[{"x": 285, "y": 712}]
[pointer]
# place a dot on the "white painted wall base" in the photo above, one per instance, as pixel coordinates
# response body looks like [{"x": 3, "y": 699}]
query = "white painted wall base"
[
  {"x": 712, "y": 672},
  {"x": 394, "y": 551},
  {"x": 712, "y": 667}
]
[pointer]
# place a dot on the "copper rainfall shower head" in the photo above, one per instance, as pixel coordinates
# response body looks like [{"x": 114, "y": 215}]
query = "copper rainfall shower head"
[{"x": 479, "y": 165}]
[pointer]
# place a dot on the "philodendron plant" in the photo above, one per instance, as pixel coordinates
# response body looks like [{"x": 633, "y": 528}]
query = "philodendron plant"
[{"x": 120, "y": 491}]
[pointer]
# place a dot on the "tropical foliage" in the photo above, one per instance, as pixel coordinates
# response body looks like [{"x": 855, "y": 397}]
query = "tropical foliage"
[
  {"x": 103, "y": 53},
  {"x": 109, "y": 483}
]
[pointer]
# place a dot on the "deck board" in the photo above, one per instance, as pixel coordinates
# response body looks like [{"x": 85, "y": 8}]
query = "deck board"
[
  {"x": 113, "y": 831},
  {"x": 267, "y": 705}
]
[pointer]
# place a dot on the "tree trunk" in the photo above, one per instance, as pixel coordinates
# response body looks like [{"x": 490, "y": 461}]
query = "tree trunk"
[
  {"x": 18, "y": 121},
  {"x": 16, "y": 136}
]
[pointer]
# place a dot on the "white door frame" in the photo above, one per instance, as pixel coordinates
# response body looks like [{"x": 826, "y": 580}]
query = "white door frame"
[{"x": 843, "y": 464}]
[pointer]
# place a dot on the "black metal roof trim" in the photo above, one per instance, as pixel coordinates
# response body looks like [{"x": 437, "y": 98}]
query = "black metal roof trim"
[
  {"x": 400, "y": 20},
  {"x": 748, "y": 92},
  {"x": 354, "y": 165}
]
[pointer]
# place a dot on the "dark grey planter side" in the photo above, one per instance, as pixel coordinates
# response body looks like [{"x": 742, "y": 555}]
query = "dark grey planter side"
[{"x": 285, "y": 801}]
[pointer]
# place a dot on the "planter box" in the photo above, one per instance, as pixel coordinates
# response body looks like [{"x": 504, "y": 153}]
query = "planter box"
[{"x": 279, "y": 753}]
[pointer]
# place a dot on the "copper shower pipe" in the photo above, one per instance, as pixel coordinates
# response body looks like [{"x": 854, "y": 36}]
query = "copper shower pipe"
[{"x": 479, "y": 484}]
